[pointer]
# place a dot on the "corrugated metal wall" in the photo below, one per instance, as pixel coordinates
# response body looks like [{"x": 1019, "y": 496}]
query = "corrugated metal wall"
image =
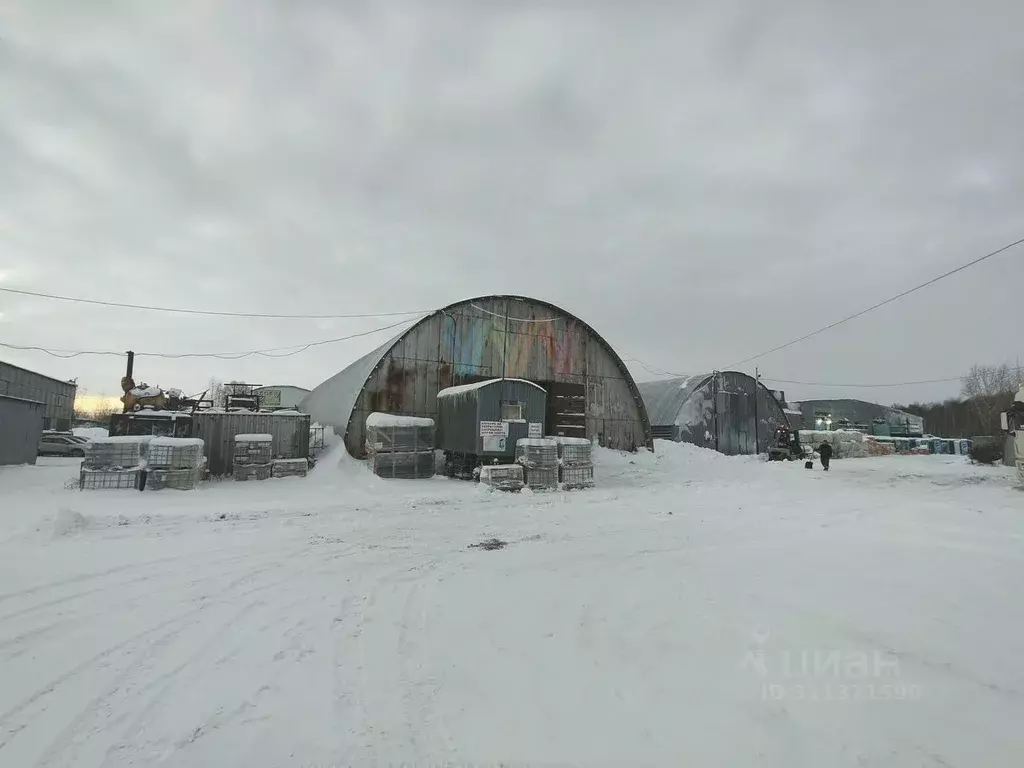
[
  {"x": 58, "y": 396},
  {"x": 468, "y": 341},
  {"x": 218, "y": 430},
  {"x": 21, "y": 425},
  {"x": 718, "y": 412}
]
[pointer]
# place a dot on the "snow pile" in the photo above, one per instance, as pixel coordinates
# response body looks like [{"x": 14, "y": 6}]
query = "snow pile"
[
  {"x": 90, "y": 432},
  {"x": 378, "y": 419},
  {"x": 68, "y": 522},
  {"x": 146, "y": 391}
]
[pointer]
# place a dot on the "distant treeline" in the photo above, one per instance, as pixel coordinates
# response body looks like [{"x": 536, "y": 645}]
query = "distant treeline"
[{"x": 986, "y": 391}]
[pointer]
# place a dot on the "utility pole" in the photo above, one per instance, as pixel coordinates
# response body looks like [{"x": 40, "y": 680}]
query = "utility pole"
[
  {"x": 757, "y": 430},
  {"x": 504, "y": 352}
]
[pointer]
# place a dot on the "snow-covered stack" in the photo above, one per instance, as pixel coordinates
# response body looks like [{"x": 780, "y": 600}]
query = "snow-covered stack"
[
  {"x": 289, "y": 468},
  {"x": 846, "y": 444},
  {"x": 504, "y": 477},
  {"x": 253, "y": 456},
  {"x": 576, "y": 462},
  {"x": 174, "y": 462},
  {"x": 113, "y": 463},
  {"x": 400, "y": 446},
  {"x": 539, "y": 459}
]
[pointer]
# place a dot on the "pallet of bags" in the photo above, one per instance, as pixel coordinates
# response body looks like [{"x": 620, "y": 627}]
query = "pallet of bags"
[
  {"x": 116, "y": 453},
  {"x": 174, "y": 463},
  {"x": 400, "y": 447},
  {"x": 243, "y": 472},
  {"x": 289, "y": 468},
  {"x": 253, "y": 449},
  {"x": 113, "y": 463},
  {"x": 539, "y": 458},
  {"x": 575, "y": 462},
  {"x": 503, "y": 477},
  {"x": 109, "y": 479},
  {"x": 405, "y": 466}
]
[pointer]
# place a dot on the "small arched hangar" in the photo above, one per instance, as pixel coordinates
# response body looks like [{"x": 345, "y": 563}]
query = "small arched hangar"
[
  {"x": 717, "y": 410},
  {"x": 590, "y": 391}
]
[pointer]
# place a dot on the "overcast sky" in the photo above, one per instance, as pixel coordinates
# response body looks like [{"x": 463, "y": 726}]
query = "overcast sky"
[{"x": 700, "y": 182}]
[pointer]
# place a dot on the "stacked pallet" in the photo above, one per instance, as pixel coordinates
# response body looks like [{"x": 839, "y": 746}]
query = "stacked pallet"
[
  {"x": 575, "y": 462},
  {"x": 173, "y": 462},
  {"x": 253, "y": 457},
  {"x": 538, "y": 457},
  {"x": 400, "y": 446},
  {"x": 503, "y": 477},
  {"x": 289, "y": 468},
  {"x": 113, "y": 463}
]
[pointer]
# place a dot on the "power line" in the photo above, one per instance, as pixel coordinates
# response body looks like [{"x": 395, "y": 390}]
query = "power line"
[
  {"x": 209, "y": 312},
  {"x": 270, "y": 352},
  {"x": 880, "y": 304}
]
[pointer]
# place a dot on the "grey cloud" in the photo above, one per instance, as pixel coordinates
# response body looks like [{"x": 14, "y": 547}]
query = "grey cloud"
[{"x": 700, "y": 184}]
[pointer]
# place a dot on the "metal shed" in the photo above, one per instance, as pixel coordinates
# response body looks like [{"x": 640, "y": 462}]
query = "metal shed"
[
  {"x": 515, "y": 404},
  {"x": 218, "y": 429},
  {"x": 58, "y": 397},
  {"x": 21, "y": 426},
  {"x": 590, "y": 391},
  {"x": 714, "y": 410}
]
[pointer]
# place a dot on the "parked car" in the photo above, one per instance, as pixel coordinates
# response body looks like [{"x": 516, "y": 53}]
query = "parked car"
[{"x": 61, "y": 445}]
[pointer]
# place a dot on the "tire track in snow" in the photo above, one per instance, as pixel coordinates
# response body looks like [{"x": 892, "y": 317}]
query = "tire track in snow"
[{"x": 127, "y": 643}]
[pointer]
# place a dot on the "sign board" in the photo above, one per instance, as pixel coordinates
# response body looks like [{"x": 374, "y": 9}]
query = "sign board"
[
  {"x": 493, "y": 429},
  {"x": 536, "y": 429},
  {"x": 494, "y": 435},
  {"x": 270, "y": 398}
]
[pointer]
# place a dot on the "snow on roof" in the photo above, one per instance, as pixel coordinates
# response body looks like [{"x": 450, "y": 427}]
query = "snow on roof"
[
  {"x": 378, "y": 419},
  {"x": 121, "y": 439},
  {"x": 161, "y": 414},
  {"x": 254, "y": 438},
  {"x": 462, "y": 389},
  {"x": 536, "y": 442},
  {"x": 177, "y": 442}
]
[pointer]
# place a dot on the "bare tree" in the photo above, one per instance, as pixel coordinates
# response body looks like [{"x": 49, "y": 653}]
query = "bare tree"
[
  {"x": 989, "y": 388},
  {"x": 216, "y": 393}
]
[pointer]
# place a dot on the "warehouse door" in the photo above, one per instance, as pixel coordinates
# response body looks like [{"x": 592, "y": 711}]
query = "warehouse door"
[{"x": 567, "y": 409}]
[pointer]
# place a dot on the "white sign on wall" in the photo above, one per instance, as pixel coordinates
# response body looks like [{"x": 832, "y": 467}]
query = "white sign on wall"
[
  {"x": 536, "y": 429},
  {"x": 494, "y": 435}
]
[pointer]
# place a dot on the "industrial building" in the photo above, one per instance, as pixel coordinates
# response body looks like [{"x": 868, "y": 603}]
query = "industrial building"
[
  {"x": 859, "y": 415},
  {"x": 715, "y": 410},
  {"x": 58, "y": 397},
  {"x": 590, "y": 393}
]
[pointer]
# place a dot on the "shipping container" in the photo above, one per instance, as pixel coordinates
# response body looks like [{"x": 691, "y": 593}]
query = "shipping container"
[
  {"x": 21, "y": 426},
  {"x": 486, "y": 419},
  {"x": 290, "y": 432}
]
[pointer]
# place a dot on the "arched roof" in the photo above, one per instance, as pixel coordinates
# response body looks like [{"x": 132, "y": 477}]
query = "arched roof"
[
  {"x": 665, "y": 398},
  {"x": 343, "y": 388}
]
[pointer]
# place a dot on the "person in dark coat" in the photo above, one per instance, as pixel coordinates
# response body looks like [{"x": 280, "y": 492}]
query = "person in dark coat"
[{"x": 825, "y": 452}]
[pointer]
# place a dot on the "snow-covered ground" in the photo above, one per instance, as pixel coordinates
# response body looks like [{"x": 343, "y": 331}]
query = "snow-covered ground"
[{"x": 692, "y": 610}]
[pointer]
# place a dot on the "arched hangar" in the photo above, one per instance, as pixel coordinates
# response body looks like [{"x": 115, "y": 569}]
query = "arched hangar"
[
  {"x": 590, "y": 391},
  {"x": 726, "y": 410}
]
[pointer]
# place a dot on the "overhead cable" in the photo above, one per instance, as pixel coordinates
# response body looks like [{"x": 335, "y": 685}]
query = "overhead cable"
[
  {"x": 209, "y": 312},
  {"x": 873, "y": 307}
]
